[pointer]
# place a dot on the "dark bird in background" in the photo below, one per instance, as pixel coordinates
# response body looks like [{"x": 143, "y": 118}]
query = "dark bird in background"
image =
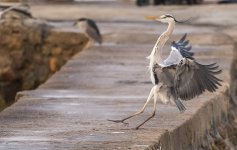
[
  {"x": 179, "y": 76},
  {"x": 23, "y": 9},
  {"x": 90, "y": 29}
]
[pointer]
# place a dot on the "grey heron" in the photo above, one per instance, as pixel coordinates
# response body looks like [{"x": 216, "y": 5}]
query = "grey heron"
[
  {"x": 179, "y": 76},
  {"x": 90, "y": 29}
]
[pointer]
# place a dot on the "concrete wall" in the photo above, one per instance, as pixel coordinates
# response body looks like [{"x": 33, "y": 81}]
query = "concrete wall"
[{"x": 198, "y": 132}]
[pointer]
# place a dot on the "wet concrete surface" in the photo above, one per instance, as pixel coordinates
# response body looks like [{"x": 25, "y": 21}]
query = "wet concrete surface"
[{"x": 71, "y": 109}]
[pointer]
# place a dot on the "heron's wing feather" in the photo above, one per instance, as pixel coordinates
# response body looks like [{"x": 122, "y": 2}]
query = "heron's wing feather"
[
  {"x": 179, "y": 50},
  {"x": 183, "y": 48},
  {"x": 174, "y": 57},
  {"x": 192, "y": 79},
  {"x": 94, "y": 31}
]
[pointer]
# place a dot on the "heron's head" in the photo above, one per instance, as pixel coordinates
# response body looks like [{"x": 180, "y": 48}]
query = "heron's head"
[
  {"x": 163, "y": 18},
  {"x": 80, "y": 20}
]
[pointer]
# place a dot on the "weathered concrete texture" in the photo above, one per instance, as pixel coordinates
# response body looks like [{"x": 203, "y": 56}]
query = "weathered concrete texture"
[
  {"x": 231, "y": 126},
  {"x": 31, "y": 51},
  {"x": 196, "y": 132},
  {"x": 224, "y": 135},
  {"x": 233, "y": 73},
  {"x": 71, "y": 109}
]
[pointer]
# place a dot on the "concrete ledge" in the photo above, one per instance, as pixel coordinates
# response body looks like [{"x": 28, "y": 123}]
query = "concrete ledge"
[
  {"x": 194, "y": 133},
  {"x": 71, "y": 109}
]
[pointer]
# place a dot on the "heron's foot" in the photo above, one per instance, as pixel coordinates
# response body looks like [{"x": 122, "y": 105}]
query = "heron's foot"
[
  {"x": 136, "y": 128},
  {"x": 119, "y": 121}
]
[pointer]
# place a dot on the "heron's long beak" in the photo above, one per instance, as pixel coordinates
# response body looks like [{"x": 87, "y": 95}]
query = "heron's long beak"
[{"x": 152, "y": 18}]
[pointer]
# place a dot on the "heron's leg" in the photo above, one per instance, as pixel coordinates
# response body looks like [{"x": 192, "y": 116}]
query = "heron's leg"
[
  {"x": 154, "y": 109},
  {"x": 140, "y": 111}
]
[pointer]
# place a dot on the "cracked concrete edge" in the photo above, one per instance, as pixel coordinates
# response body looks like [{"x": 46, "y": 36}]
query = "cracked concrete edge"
[
  {"x": 19, "y": 95},
  {"x": 193, "y": 134}
]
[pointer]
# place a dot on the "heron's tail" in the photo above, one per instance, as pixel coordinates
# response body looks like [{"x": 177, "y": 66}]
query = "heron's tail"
[{"x": 180, "y": 105}]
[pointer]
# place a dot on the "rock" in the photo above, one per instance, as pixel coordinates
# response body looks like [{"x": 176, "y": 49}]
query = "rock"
[
  {"x": 233, "y": 86},
  {"x": 31, "y": 51}
]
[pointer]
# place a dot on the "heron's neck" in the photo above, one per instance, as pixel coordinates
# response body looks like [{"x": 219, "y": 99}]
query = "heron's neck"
[
  {"x": 169, "y": 30},
  {"x": 155, "y": 56}
]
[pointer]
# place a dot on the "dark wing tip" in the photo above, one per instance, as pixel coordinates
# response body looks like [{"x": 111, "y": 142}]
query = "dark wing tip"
[
  {"x": 92, "y": 24},
  {"x": 192, "y": 79},
  {"x": 183, "y": 38},
  {"x": 210, "y": 71},
  {"x": 183, "y": 46},
  {"x": 180, "y": 105}
]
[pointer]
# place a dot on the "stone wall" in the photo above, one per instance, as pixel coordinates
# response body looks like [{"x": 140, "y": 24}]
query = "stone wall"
[
  {"x": 30, "y": 52},
  {"x": 233, "y": 73}
]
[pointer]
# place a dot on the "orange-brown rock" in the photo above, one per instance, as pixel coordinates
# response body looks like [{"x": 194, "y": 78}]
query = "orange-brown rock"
[{"x": 30, "y": 52}]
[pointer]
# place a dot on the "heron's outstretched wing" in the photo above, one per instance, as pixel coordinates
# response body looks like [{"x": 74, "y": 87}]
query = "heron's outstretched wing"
[
  {"x": 192, "y": 79},
  {"x": 183, "y": 48},
  {"x": 179, "y": 50},
  {"x": 94, "y": 31}
]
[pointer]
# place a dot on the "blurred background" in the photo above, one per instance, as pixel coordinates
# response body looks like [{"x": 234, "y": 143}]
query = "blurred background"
[
  {"x": 37, "y": 37},
  {"x": 33, "y": 27}
]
